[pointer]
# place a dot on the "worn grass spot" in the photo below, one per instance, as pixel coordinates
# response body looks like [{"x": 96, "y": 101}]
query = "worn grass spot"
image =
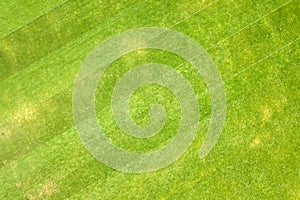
[
  {"x": 267, "y": 114},
  {"x": 45, "y": 191}
]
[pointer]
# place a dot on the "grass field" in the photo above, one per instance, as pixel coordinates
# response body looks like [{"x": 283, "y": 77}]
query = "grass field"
[{"x": 255, "y": 46}]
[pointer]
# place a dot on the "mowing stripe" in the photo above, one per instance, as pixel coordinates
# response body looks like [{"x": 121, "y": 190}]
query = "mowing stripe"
[
  {"x": 87, "y": 34},
  {"x": 250, "y": 24},
  {"x": 73, "y": 42},
  {"x": 258, "y": 62},
  {"x": 181, "y": 22},
  {"x": 68, "y": 86},
  {"x": 264, "y": 58},
  {"x": 33, "y": 19}
]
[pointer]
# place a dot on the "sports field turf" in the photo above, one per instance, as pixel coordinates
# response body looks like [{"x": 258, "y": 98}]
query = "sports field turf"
[{"x": 256, "y": 47}]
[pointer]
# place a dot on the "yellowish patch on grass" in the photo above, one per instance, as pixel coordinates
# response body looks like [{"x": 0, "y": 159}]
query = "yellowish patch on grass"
[
  {"x": 255, "y": 142},
  {"x": 8, "y": 48},
  {"x": 49, "y": 188},
  {"x": 267, "y": 114},
  {"x": 45, "y": 191},
  {"x": 279, "y": 104},
  {"x": 24, "y": 114},
  {"x": 208, "y": 171},
  {"x": 275, "y": 105},
  {"x": 5, "y": 162},
  {"x": 259, "y": 140},
  {"x": 295, "y": 193},
  {"x": 21, "y": 184}
]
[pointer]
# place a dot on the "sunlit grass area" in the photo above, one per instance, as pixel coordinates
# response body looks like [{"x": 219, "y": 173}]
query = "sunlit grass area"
[{"x": 255, "y": 46}]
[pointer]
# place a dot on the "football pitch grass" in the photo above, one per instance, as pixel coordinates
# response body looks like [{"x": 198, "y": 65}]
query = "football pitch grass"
[{"x": 255, "y": 46}]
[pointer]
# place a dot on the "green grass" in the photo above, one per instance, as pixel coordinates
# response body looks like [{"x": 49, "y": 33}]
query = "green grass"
[{"x": 255, "y": 46}]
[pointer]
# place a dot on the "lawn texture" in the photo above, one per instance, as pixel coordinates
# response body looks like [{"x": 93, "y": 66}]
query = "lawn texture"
[{"x": 256, "y": 47}]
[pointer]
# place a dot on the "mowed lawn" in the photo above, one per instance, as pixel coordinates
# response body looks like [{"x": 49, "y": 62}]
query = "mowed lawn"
[{"x": 256, "y": 47}]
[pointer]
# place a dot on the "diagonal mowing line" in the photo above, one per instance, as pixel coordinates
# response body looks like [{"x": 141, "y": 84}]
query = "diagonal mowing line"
[
  {"x": 194, "y": 13},
  {"x": 73, "y": 42},
  {"x": 180, "y": 21},
  {"x": 256, "y": 62},
  {"x": 33, "y": 19},
  {"x": 99, "y": 28},
  {"x": 125, "y": 11},
  {"x": 201, "y": 9},
  {"x": 65, "y": 88},
  {"x": 250, "y": 24},
  {"x": 111, "y": 20},
  {"x": 263, "y": 58},
  {"x": 251, "y": 65}
]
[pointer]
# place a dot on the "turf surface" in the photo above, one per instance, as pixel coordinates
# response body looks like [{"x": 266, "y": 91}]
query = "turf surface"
[{"x": 256, "y": 47}]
